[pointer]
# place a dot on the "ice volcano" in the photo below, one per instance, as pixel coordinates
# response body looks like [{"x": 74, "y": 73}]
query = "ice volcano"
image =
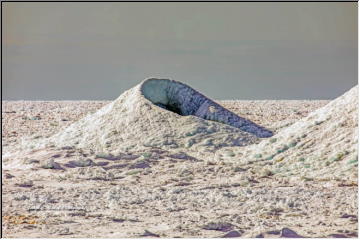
[{"x": 160, "y": 113}]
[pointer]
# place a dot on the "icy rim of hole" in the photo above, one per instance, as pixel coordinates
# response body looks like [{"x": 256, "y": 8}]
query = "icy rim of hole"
[{"x": 180, "y": 98}]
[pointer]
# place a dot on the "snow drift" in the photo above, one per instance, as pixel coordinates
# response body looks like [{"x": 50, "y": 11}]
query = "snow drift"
[{"x": 323, "y": 144}]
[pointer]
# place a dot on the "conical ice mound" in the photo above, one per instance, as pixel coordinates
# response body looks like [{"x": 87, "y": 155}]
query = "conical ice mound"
[
  {"x": 322, "y": 145},
  {"x": 160, "y": 113}
]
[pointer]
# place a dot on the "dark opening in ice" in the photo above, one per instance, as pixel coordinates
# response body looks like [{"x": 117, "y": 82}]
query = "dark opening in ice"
[{"x": 181, "y": 99}]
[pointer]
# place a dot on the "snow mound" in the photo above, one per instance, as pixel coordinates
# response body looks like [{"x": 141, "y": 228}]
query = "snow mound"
[
  {"x": 160, "y": 113},
  {"x": 321, "y": 145}
]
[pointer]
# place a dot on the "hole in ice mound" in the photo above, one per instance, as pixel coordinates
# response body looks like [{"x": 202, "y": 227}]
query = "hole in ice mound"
[
  {"x": 172, "y": 108},
  {"x": 181, "y": 99}
]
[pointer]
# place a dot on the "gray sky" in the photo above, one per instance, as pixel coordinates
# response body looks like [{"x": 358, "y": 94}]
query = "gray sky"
[{"x": 84, "y": 51}]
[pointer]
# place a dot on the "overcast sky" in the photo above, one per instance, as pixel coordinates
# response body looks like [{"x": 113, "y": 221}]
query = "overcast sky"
[{"x": 96, "y": 51}]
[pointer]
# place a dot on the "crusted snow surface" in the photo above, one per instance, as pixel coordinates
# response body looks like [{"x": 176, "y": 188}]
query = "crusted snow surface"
[
  {"x": 254, "y": 190},
  {"x": 322, "y": 145},
  {"x": 159, "y": 113}
]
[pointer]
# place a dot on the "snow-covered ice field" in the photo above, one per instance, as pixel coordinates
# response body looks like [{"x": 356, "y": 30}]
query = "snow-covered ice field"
[{"x": 136, "y": 169}]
